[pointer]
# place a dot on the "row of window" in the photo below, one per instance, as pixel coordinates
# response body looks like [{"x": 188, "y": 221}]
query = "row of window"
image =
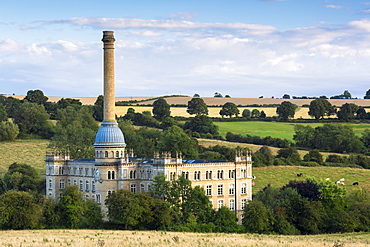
[
  {"x": 82, "y": 185},
  {"x": 208, "y": 176},
  {"x": 220, "y": 189},
  {"x": 105, "y": 154},
  {"x": 75, "y": 171},
  {"x": 220, "y": 203}
]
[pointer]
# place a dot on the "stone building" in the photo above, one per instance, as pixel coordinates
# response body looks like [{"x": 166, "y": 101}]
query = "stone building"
[{"x": 227, "y": 183}]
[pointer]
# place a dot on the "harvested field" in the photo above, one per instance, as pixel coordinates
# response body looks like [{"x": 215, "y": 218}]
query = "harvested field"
[{"x": 108, "y": 238}]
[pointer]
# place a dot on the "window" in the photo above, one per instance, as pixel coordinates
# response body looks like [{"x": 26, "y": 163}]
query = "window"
[
  {"x": 69, "y": 181},
  {"x": 172, "y": 175},
  {"x": 117, "y": 154},
  {"x": 50, "y": 184},
  {"x": 75, "y": 170},
  {"x": 87, "y": 171},
  {"x": 93, "y": 186},
  {"x": 244, "y": 203},
  {"x": 231, "y": 174},
  {"x": 61, "y": 184},
  {"x": 87, "y": 186},
  {"x": 133, "y": 188},
  {"x": 208, "y": 174},
  {"x": 231, "y": 189},
  {"x": 142, "y": 188},
  {"x": 220, "y": 189},
  {"x": 244, "y": 188},
  {"x": 149, "y": 187},
  {"x": 50, "y": 170},
  {"x": 186, "y": 174},
  {"x": 98, "y": 198},
  {"x": 106, "y": 154},
  {"x": 232, "y": 204},
  {"x": 109, "y": 175},
  {"x": 244, "y": 173},
  {"x": 132, "y": 174},
  {"x": 74, "y": 182},
  {"x": 109, "y": 192},
  {"x": 80, "y": 171},
  {"x": 209, "y": 190},
  {"x": 220, "y": 203},
  {"x": 197, "y": 175},
  {"x": 81, "y": 185},
  {"x": 220, "y": 174}
]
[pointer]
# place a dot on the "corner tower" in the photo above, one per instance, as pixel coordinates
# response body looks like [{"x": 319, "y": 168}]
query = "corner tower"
[{"x": 109, "y": 141}]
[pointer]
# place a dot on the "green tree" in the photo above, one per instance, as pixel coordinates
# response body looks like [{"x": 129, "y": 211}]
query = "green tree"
[
  {"x": 161, "y": 109},
  {"x": 314, "y": 155},
  {"x": 32, "y": 118},
  {"x": 3, "y": 113},
  {"x": 361, "y": 113},
  {"x": 197, "y": 106},
  {"x": 286, "y": 110},
  {"x": 168, "y": 122},
  {"x": 319, "y": 108},
  {"x": 255, "y": 113},
  {"x": 18, "y": 210},
  {"x": 71, "y": 206},
  {"x": 160, "y": 187},
  {"x": 176, "y": 141},
  {"x": 347, "y": 94},
  {"x": 36, "y": 96},
  {"x": 286, "y": 96},
  {"x": 289, "y": 153},
  {"x": 263, "y": 114},
  {"x": 225, "y": 220},
  {"x": 347, "y": 111},
  {"x": 21, "y": 177},
  {"x": 256, "y": 217},
  {"x": 201, "y": 124},
  {"x": 8, "y": 131},
  {"x": 246, "y": 113},
  {"x": 98, "y": 109},
  {"x": 65, "y": 102},
  {"x": 229, "y": 109},
  {"x": 367, "y": 95},
  {"x": 124, "y": 207}
]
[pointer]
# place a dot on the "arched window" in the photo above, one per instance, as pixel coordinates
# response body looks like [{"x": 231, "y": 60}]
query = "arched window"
[
  {"x": 117, "y": 154},
  {"x": 113, "y": 175},
  {"x": 106, "y": 154},
  {"x": 109, "y": 175},
  {"x": 87, "y": 187},
  {"x": 93, "y": 186}
]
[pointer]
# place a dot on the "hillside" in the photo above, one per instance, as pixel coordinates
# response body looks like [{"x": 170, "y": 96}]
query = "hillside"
[{"x": 212, "y": 100}]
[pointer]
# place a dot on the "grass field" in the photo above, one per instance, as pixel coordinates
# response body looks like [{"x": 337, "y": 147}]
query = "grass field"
[
  {"x": 281, "y": 130},
  {"x": 30, "y": 152},
  {"x": 109, "y": 238}
]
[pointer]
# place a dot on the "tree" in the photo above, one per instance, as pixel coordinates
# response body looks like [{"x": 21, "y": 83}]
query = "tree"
[
  {"x": 256, "y": 217},
  {"x": 286, "y": 96},
  {"x": 225, "y": 220},
  {"x": 21, "y": 177},
  {"x": 201, "y": 124},
  {"x": 255, "y": 113},
  {"x": 319, "y": 108},
  {"x": 347, "y": 111},
  {"x": 8, "y": 131},
  {"x": 98, "y": 109},
  {"x": 229, "y": 109},
  {"x": 361, "y": 113},
  {"x": 263, "y": 114},
  {"x": 160, "y": 187},
  {"x": 3, "y": 113},
  {"x": 290, "y": 153},
  {"x": 367, "y": 95},
  {"x": 71, "y": 207},
  {"x": 197, "y": 106},
  {"x": 18, "y": 210},
  {"x": 161, "y": 109},
  {"x": 176, "y": 141},
  {"x": 347, "y": 94},
  {"x": 314, "y": 155},
  {"x": 196, "y": 95},
  {"x": 286, "y": 110},
  {"x": 32, "y": 118},
  {"x": 246, "y": 113},
  {"x": 217, "y": 95},
  {"x": 36, "y": 96}
]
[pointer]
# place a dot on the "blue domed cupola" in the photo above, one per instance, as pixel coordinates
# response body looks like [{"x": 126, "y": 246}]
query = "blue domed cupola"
[{"x": 109, "y": 135}]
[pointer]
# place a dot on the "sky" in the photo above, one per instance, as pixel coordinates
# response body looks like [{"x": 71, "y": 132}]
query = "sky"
[{"x": 241, "y": 48}]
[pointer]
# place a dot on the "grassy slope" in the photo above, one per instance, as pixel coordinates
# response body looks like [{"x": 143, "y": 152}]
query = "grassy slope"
[
  {"x": 88, "y": 238},
  {"x": 31, "y": 152}
]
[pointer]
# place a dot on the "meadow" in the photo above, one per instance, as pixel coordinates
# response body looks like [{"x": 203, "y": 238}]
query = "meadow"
[{"x": 108, "y": 238}]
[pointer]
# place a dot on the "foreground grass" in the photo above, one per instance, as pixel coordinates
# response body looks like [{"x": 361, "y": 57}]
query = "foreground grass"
[
  {"x": 30, "y": 152},
  {"x": 84, "y": 238}
]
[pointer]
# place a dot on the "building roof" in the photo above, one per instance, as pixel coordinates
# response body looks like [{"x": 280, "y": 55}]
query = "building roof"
[{"x": 109, "y": 134}]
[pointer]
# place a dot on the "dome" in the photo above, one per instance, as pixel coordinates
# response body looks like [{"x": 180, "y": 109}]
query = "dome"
[{"x": 109, "y": 134}]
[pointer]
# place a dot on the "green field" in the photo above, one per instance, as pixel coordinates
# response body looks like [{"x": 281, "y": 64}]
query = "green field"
[
  {"x": 30, "y": 152},
  {"x": 281, "y": 130}
]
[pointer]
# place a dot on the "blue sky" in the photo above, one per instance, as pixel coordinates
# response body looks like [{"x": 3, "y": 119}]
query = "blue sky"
[{"x": 246, "y": 48}]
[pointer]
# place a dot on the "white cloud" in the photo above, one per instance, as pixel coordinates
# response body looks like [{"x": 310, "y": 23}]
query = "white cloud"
[{"x": 334, "y": 6}]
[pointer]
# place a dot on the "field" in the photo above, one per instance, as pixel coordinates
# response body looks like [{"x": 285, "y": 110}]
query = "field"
[
  {"x": 108, "y": 238},
  {"x": 30, "y": 152}
]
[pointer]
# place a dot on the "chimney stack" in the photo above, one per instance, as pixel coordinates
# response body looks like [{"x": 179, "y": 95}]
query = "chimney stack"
[{"x": 109, "y": 92}]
